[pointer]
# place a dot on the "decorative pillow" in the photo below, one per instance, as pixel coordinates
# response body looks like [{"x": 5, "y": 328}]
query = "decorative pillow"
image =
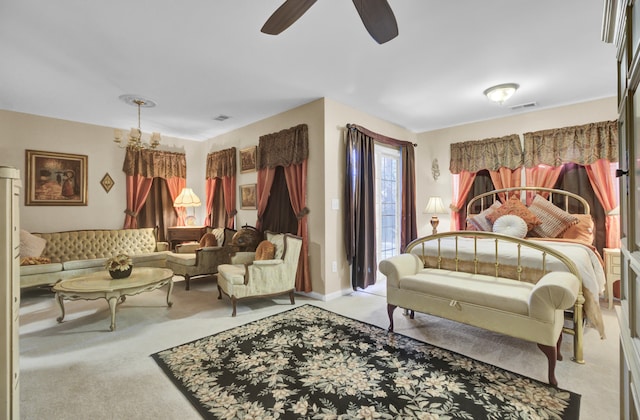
[
  {"x": 265, "y": 251},
  {"x": 581, "y": 231},
  {"x": 208, "y": 239},
  {"x": 480, "y": 220},
  {"x": 31, "y": 245},
  {"x": 511, "y": 225},
  {"x": 34, "y": 260},
  {"x": 515, "y": 206},
  {"x": 554, "y": 219}
]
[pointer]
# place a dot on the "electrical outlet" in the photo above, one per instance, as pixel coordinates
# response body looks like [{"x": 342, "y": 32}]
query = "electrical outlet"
[{"x": 334, "y": 266}]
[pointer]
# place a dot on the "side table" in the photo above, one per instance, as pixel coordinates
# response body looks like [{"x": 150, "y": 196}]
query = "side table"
[
  {"x": 177, "y": 234},
  {"x": 611, "y": 270}
]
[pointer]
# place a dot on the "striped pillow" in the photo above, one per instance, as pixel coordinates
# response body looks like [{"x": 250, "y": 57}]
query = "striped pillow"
[{"x": 554, "y": 220}]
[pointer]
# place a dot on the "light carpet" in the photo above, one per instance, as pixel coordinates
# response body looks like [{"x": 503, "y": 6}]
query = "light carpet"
[{"x": 309, "y": 362}]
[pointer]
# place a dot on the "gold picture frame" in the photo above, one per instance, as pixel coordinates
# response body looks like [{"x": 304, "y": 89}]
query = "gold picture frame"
[
  {"x": 248, "y": 159},
  {"x": 56, "y": 179},
  {"x": 107, "y": 182},
  {"x": 248, "y": 197}
]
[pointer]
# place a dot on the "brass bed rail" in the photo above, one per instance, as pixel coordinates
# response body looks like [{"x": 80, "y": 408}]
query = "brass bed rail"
[{"x": 430, "y": 250}]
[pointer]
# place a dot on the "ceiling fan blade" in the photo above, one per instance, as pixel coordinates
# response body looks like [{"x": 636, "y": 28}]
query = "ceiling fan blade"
[
  {"x": 289, "y": 12},
  {"x": 378, "y": 18}
]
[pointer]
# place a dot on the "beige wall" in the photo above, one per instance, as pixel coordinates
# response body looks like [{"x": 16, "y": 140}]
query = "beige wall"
[
  {"x": 436, "y": 144},
  {"x": 19, "y": 132},
  {"x": 327, "y": 122}
]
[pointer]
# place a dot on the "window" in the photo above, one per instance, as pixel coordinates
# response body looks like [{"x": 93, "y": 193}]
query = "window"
[{"x": 388, "y": 201}]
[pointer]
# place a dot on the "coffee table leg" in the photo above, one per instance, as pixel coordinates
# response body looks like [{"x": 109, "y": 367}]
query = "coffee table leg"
[
  {"x": 60, "y": 300},
  {"x": 113, "y": 301},
  {"x": 169, "y": 303}
]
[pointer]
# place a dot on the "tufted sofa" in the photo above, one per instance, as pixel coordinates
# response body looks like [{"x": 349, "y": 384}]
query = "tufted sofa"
[{"x": 78, "y": 252}]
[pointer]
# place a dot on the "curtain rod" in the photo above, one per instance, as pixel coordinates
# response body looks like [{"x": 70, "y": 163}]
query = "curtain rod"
[{"x": 355, "y": 127}]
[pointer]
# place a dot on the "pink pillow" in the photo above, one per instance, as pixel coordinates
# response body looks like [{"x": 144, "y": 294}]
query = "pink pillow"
[{"x": 515, "y": 206}]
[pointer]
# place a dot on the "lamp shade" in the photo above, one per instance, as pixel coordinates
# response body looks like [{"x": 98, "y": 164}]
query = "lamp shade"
[
  {"x": 501, "y": 93},
  {"x": 187, "y": 198},
  {"x": 435, "y": 206}
]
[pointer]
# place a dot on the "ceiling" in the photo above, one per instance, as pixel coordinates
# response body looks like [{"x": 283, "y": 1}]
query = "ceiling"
[{"x": 198, "y": 59}]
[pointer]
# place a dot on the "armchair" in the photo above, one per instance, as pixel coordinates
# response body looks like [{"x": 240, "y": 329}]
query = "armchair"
[
  {"x": 249, "y": 278},
  {"x": 192, "y": 259}
]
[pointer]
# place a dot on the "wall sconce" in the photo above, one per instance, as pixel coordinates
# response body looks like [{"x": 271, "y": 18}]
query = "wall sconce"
[
  {"x": 435, "y": 169},
  {"x": 187, "y": 198},
  {"x": 435, "y": 206}
]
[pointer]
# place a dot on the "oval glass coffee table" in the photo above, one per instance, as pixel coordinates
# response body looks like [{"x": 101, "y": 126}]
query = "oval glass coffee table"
[{"x": 100, "y": 285}]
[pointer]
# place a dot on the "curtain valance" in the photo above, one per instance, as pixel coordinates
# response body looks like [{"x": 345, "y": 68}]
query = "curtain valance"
[
  {"x": 155, "y": 163},
  {"x": 221, "y": 163},
  {"x": 582, "y": 144},
  {"x": 491, "y": 154},
  {"x": 284, "y": 148}
]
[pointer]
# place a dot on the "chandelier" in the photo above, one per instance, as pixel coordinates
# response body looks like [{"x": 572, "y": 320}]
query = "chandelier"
[{"x": 135, "y": 135}]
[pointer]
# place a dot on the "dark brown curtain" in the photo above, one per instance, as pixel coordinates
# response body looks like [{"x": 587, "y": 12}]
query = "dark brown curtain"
[
  {"x": 574, "y": 178},
  {"x": 360, "y": 227},
  {"x": 218, "y": 212},
  {"x": 288, "y": 149},
  {"x": 482, "y": 183},
  {"x": 279, "y": 215},
  {"x": 158, "y": 209}
]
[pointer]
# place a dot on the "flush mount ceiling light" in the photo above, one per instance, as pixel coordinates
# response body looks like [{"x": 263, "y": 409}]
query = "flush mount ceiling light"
[
  {"x": 500, "y": 93},
  {"x": 135, "y": 135}
]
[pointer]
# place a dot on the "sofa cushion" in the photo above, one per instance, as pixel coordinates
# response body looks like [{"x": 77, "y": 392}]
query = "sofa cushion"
[
  {"x": 493, "y": 292},
  {"x": 31, "y": 245},
  {"x": 185, "y": 259},
  {"x": 83, "y": 264},
  {"x": 27, "y": 270},
  {"x": 511, "y": 225},
  {"x": 515, "y": 206},
  {"x": 554, "y": 220},
  {"x": 265, "y": 251},
  {"x": 210, "y": 239},
  {"x": 480, "y": 221}
]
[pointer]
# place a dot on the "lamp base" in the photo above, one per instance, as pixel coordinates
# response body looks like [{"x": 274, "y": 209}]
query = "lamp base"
[
  {"x": 190, "y": 220},
  {"x": 434, "y": 224}
]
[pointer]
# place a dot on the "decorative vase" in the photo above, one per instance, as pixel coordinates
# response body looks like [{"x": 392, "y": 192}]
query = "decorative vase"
[{"x": 120, "y": 274}]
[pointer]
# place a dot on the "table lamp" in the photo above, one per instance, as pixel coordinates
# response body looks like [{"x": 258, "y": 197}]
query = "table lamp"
[
  {"x": 435, "y": 206},
  {"x": 187, "y": 198}
]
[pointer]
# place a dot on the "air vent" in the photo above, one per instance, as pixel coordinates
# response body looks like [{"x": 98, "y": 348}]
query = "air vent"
[
  {"x": 221, "y": 117},
  {"x": 523, "y": 106}
]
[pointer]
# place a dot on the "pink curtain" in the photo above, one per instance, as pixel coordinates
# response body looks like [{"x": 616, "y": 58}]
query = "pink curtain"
[
  {"x": 210, "y": 190},
  {"x": 229, "y": 189},
  {"x": 462, "y": 184},
  {"x": 541, "y": 176},
  {"x": 296, "y": 176},
  {"x": 138, "y": 188},
  {"x": 505, "y": 178},
  {"x": 176, "y": 184},
  {"x": 599, "y": 174},
  {"x": 263, "y": 187}
]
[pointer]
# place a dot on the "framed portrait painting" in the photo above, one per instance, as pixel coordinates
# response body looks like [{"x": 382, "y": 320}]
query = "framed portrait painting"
[
  {"x": 248, "y": 158},
  {"x": 248, "y": 197},
  {"x": 56, "y": 179}
]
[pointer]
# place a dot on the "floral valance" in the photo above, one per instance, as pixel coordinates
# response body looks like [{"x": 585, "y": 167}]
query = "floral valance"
[
  {"x": 583, "y": 144},
  {"x": 284, "y": 148},
  {"x": 491, "y": 154},
  {"x": 155, "y": 163},
  {"x": 221, "y": 163}
]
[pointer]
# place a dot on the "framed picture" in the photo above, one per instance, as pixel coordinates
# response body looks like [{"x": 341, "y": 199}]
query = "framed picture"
[
  {"x": 248, "y": 197},
  {"x": 56, "y": 179},
  {"x": 248, "y": 159}
]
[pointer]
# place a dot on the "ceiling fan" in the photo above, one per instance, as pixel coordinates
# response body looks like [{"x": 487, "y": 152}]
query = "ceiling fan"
[{"x": 376, "y": 15}]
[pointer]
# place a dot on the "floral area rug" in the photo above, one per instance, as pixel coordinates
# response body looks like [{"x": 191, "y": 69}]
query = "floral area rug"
[{"x": 310, "y": 363}]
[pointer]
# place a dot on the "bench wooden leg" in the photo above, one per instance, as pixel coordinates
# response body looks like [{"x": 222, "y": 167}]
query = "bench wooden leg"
[
  {"x": 551, "y": 353},
  {"x": 187, "y": 279},
  {"x": 390, "y": 309}
]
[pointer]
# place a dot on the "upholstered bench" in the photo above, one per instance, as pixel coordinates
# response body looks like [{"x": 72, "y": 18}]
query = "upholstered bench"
[{"x": 533, "y": 312}]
